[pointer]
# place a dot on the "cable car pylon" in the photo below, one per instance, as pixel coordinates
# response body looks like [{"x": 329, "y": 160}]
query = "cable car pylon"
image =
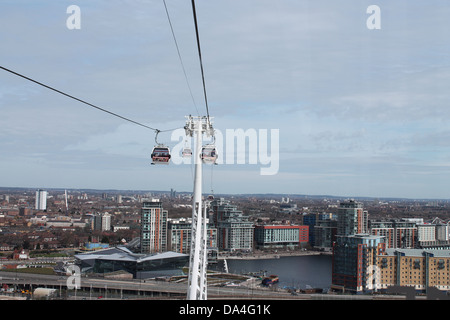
[{"x": 197, "y": 289}]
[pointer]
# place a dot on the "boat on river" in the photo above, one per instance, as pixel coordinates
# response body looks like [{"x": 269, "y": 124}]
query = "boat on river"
[{"x": 270, "y": 280}]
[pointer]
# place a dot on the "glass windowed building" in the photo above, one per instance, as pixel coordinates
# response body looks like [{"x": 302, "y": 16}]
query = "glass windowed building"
[
  {"x": 280, "y": 236},
  {"x": 153, "y": 227},
  {"x": 141, "y": 266},
  {"x": 354, "y": 260},
  {"x": 234, "y": 230},
  {"x": 179, "y": 239}
]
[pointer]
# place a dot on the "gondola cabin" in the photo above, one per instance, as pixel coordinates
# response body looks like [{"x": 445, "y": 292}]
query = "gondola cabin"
[
  {"x": 209, "y": 154},
  {"x": 160, "y": 155},
  {"x": 186, "y": 153}
]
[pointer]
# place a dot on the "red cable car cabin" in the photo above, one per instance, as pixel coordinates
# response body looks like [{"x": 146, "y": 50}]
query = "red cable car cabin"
[{"x": 160, "y": 155}]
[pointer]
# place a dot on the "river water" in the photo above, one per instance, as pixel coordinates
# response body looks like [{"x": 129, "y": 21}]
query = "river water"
[{"x": 293, "y": 271}]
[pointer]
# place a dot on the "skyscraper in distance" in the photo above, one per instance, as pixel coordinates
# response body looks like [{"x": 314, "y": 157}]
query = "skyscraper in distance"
[{"x": 41, "y": 200}]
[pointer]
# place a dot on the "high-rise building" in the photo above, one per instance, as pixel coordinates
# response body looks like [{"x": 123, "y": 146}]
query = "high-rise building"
[
  {"x": 354, "y": 261},
  {"x": 352, "y": 219},
  {"x": 234, "y": 230},
  {"x": 153, "y": 227},
  {"x": 102, "y": 222},
  {"x": 41, "y": 200}
]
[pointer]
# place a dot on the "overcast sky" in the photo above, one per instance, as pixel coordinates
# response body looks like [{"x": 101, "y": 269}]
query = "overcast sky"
[{"x": 360, "y": 112}]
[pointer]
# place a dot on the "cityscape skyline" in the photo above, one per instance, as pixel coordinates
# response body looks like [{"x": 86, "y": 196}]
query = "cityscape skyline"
[
  {"x": 360, "y": 112},
  {"x": 206, "y": 193},
  {"x": 147, "y": 236}
]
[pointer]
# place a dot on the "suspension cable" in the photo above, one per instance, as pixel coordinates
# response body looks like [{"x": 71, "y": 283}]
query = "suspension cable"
[
  {"x": 179, "y": 56},
  {"x": 200, "y": 57},
  {"x": 82, "y": 101}
]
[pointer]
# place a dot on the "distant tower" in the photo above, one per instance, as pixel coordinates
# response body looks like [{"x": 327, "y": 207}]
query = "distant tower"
[
  {"x": 41, "y": 200},
  {"x": 102, "y": 222},
  {"x": 67, "y": 205}
]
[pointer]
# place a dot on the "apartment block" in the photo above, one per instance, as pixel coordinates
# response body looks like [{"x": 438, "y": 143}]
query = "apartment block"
[
  {"x": 325, "y": 233},
  {"x": 280, "y": 236},
  {"x": 352, "y": 219},
  {"x": 41, "y": 200},
  {"x": 417, "y": 268},
  {"x": 102, "y": 222},
  {"x": 398, "y": 233},
  {"x": 179, "y": 237},
  {"x": 153, "y": 227},
  {"x": 234, "y": 230},
  {"x": 354, "y": 258}
]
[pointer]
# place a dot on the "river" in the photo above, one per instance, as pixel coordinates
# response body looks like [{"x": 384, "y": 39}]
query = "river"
[{"x": 293, "y": 271}]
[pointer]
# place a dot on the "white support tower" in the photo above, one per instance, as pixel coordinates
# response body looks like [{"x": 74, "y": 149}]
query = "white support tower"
[{"x": 197, "y": 289}]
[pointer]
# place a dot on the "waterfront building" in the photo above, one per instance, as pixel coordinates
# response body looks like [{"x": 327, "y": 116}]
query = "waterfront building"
[
  {"x": 179, "y": 237},
  {"x": 234, "y": 230},
  {"x": 153, "y": 227},
  {"x": 280, "y": 236},
  {"x": 354, "y": 258},
  {"x": 310, "y": 220},
  {"x": 362, "y": 263},
  {"x": 41, "y": 200},
  {"x": 325, "y": 234},
  {"x": 417, "y": 268},
  {"x": 314, "y": 220},
  {"x": 352, "y": 219},
  {"x": 138, "y": 265},
  {"x": 398, "y": 233}
]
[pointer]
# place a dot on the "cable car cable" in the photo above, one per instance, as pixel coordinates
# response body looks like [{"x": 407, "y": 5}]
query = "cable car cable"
[
  {"x": 85, "y": 102},
  {"x": 200, "y": 57},
  {"x": 179, "y": 55}
]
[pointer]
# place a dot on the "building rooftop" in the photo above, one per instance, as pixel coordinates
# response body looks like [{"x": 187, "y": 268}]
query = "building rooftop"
[
  {"x": 124, "y": 254},
  {"x": 418, "y": 252}
]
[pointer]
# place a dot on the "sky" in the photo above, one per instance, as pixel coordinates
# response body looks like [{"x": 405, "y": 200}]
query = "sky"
[{"x": 358, "y": 111}]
